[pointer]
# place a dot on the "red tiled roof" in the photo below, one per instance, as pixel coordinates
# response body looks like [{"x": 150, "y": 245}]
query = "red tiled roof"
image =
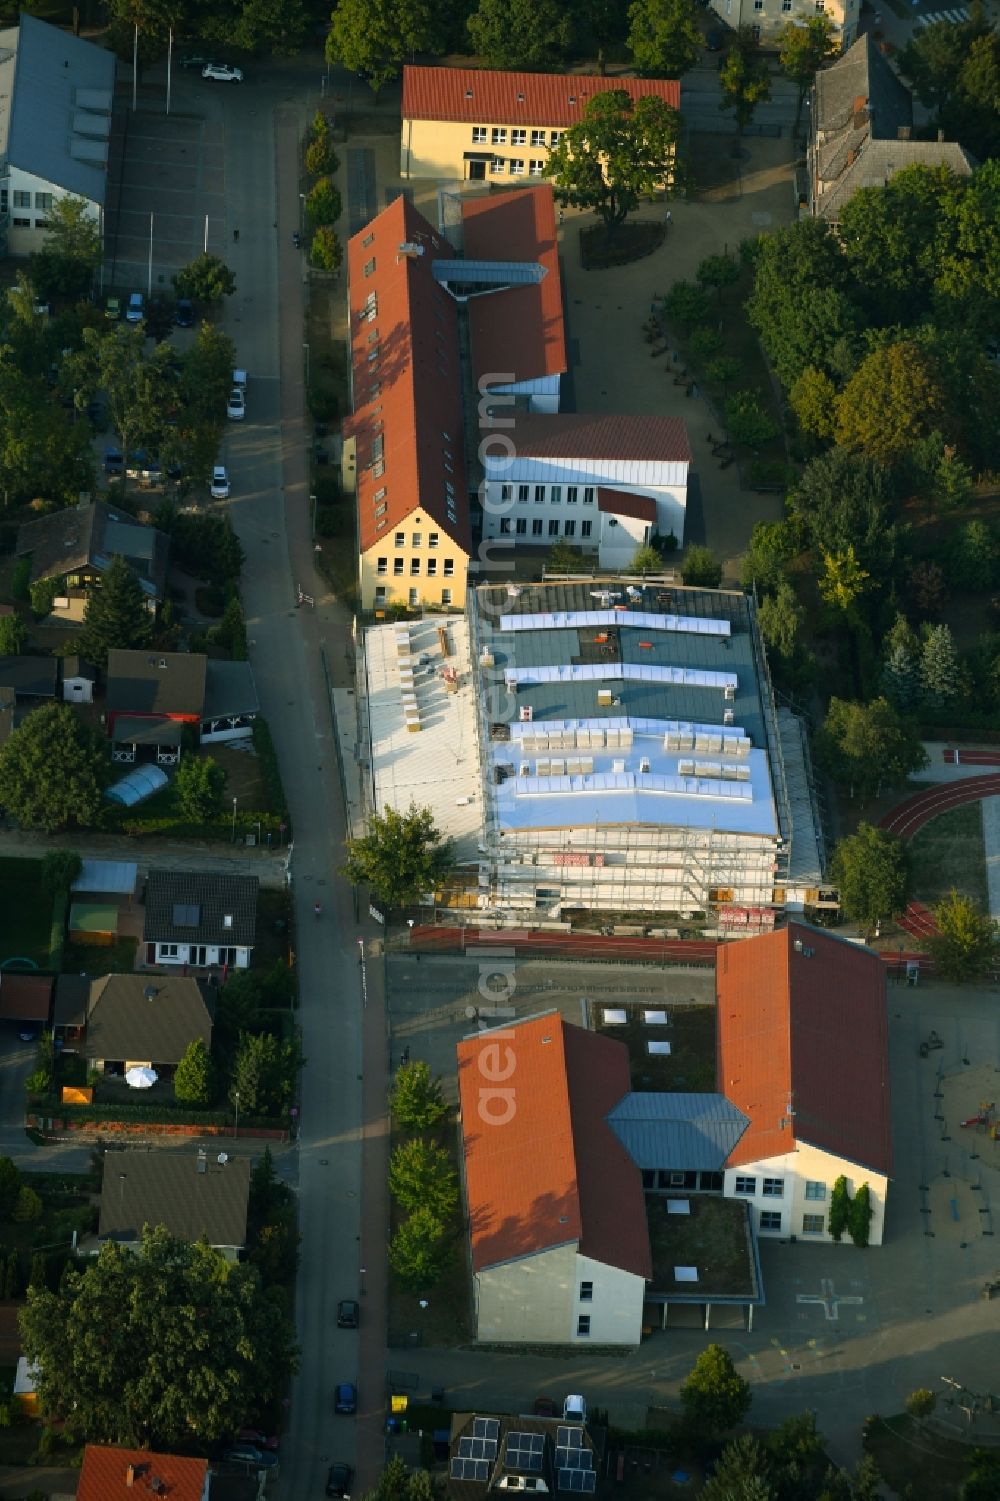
[
  {"x": 483, "y": 97},
  {"x": 542, "y": 1166},
  {"x": 802, "y": 1026},
  {"x": 105, "y": 1471},
  {"x": 419, "y": 374},
  {"x": 519, "y": 331},
  {"x": 25, "y": 998},
  {"x": 622, "y": 503},
  {"x": 577, "y": 435}
]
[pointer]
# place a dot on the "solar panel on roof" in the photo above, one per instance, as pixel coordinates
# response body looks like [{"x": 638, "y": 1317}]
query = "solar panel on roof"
[
  {"x": 583, "y": 1481},
  {"x": 486, "y": 1428},
  {"x": 569, "y": 1438},
  {"x": 470, "y": 1469}
]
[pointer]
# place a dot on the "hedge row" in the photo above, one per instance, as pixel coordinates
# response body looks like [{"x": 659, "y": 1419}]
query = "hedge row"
[
  {"x": 154, "y": 1114},
  {"x": 267, "y": 757}
]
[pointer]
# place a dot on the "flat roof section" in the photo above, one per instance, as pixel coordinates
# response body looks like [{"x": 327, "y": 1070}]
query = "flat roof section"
[{"x": 437, "y": 765}]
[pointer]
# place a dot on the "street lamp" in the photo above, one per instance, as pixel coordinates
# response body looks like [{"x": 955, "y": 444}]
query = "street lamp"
[
  {"x": 234, "y": 819},
  {"x": 236, "y": 1102},
  {"x": 302, "y": 213},
  {"x": 312, "y": 499}
]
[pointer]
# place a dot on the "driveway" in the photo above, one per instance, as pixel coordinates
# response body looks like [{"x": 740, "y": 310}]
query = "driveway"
[{"x": 17, "y": 1061}]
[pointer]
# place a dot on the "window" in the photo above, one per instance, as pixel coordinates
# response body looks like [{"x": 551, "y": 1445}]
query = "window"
[
  {"x": 813, "y": 1224},
  {"x": 432, "y": 540},
  {"x": 41, "y": 223},
  {"x": 521, "y": 526},
  {"x": 774, "y": 1188},
  {"x": 382, "y": 566},
  {"x": 554, "y": 137},
  {"x": 815, "y": 1190},
  {"x": 380, "y": 594},
  {"x": 538, "y": 138},
  {"x": 586, "y": 528},
  {"x": 555, "y": 495},
  {"x": 536, "y": 527},
  {"x": 758, "y": 5},
  {"x": 449, "y": 567},
  {"x": 446, "y": 596},
  {"x": 523, "y": 494},
  {"x": 586, "y": 1292},
  {"x": 369, "y": 270},
  {"x": 479, "y": 135},
  {"x": 517, "y": 166},
  {"x": 379, "y": 494},
  {"x": 518, "y": 137},
  {"x": 414, "y": 601},
  {"x": 21, "y": 223},
  {"x": 499, "y": 135},
  {"x": 400, "y": 539},
  {"x": 554, "y": 528},
  {"x": 497, "y": 165},
  {"x": 571, "y": 494},
  {"x": 770, "y": 1219},
  {"x": 397, "y": 568},
  {"x": 588, "y": 495},
  {"x": 745, "y": 1186},
  {"x": 504, "y": 526},
  {"x": 539, "y": 495},
  {"x": 506, "y": 492},
  {"x": 21, "y": 199},
  {"x": 786, "y": 6},
  {"x": 417, "y": 539},
  {"x": 368, "y": 240},
  {"x": 583, "y": 1324},
  {"x": 414, "y": 567},
  {"x": 535, "y": 166},
  {"x": 612, "y": 521},
  {"x": 432, "y": 567},
  {"x": 569, "y": 529},
  {"x": 168, "y": 950}
]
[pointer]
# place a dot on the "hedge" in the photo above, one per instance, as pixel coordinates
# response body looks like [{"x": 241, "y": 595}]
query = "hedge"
[
  {"x": 270, "y": 772},
  {"x": 50, "y": 1107}
]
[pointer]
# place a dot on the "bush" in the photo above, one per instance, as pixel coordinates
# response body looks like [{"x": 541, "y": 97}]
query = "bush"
[
  {"x": 705, "y": 342},
  {"x": 198, "y": 786},
  {"x": 700, "y": 568},
  {"x": 20, "y": 583},
  {"x": 323, "y": 204},
  {"x": 747, "y": 421},
  {"x": 324, "y": 403},
  {"x": 13, "y": 635},
  {"x": 326, "y": 252},
  {"x": 28, "y": 1207},
  {"x": 321, "y": 159},
  {"x": 270, "y": 772},
  {"x": 687, "y": 304}
]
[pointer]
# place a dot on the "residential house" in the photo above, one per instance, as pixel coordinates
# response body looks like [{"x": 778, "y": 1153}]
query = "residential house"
[
  {"x": 152, "y": 696},
  {"x": 195, "y": 1195},
  {"x": 482, "y": 125},
  {"x": 404, "y": 453},
  {"x": 26, "y": 999},
  {"x": 77, "y": 545},
  {"x": 56, "y": 94},
  {"x": 862, "y": 126},
  {"x": 230, "y": 705},
  {"x": 79, "y": 679},
  {"x": 146, "y": 1020},
  {"x": 606, "y": 484},
  {"x": 200, "y": 919},
  {"x": 110, "y": 1474},
  {"x": 765, "y": 18},
  {"x": 540, "y": 1456},
  {"x": 31, "y": 681}
]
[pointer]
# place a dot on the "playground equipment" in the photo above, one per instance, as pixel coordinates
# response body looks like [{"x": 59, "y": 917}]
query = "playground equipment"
[
  {"x": 985, "y": 1120},
  {"x": 933, "y": 1041}
]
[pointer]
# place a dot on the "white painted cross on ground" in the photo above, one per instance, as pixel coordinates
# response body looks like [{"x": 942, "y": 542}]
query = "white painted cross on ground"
[{"x": 828, "y": 1298}]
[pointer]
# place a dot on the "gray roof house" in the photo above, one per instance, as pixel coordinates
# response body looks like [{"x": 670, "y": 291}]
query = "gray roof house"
[
  {"x": 146, "y": 1019},
  {"x": 200, "y": 919},
  {"x": 56, "y": 93},
  {"x": 152, "y": 695},
  {"x": 29, "y": 677},
  {"x": 194, "y": 1194},
  {"x": 79, "y": 544},
  {"x": 862, "y": 125}
]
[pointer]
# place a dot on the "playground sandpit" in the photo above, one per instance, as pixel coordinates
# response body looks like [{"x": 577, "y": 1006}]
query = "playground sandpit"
[{"x": 970, "y": 1104}]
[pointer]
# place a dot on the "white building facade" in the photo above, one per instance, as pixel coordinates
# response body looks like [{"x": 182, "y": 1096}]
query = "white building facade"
[{"x": 790, "y": 1195}]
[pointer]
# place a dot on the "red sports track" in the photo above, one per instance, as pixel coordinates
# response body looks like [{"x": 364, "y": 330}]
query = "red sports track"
[{"x": 911, "y": 816}]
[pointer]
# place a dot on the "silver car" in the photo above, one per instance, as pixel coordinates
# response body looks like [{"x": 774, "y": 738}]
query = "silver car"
[
  {"x": 220, "y": 483},
  {"x": 222, "y": 73}
]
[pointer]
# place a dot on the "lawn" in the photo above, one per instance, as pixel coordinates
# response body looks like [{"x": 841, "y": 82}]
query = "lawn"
[
  {"x": 690, "y": 1065},
  {"x": 273, "y": 914},
  {"x": 949, "y": 852},
  {"x": 921, "y": 1466},
  {"x": 714, "y": 1238},
  {"x": 25, "y": 912},
  {"x": 117, "y": 959},
  {"x": 445, "y": 1320}
]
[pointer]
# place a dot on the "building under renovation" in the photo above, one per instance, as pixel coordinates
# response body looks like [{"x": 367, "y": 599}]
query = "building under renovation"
[{"x": 632, "y": 759}]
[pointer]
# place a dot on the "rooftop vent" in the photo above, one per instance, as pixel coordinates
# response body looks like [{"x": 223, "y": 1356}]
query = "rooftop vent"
[
  {"x": 227, "y": 920},
  {"x": 202, "y": 1160}
]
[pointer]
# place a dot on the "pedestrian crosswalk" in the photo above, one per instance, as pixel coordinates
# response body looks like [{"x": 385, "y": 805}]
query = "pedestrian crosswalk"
[{"x": 959, "y": 13}]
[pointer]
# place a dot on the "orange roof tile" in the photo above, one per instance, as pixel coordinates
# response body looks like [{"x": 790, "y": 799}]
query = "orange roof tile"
[
  {"x": 802, "y": 1028},
  {"x": 578, "y": 435},
  {"x": 484, "y": 97},
  {"x": 407, "y": 400},
  {"x": 542, "y": 1166},
  {"x": 519, "y": 332},
  {"x": 104, "y": 1476}
]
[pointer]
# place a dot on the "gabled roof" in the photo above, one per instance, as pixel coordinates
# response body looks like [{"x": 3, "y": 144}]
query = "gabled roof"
[
  {"x": 692, "y": 1131},
  {"x": 230, "y": 690},
  {"x": 147, "y": 1016},
  {"x": 861, "y": 86},
  {"x": 25, "y": 998},
  {"x": 482, "y": 96},
  {"x": 803, "y": 1046},
  {"x": 32, "y": 677},
  {"x": 542, "y": 1167},
  {"x": 624, "y": 503},
  {"x": 105, "y": 876},
  {"x": 407, "y": 386},
  {"x": 876, "y": 163},
  {"x": 72, "y": 997},
  {"x": 89, "y": 537},
  {"x": 192, "y": 1195},
  {"x": 105, "y": 1475},
  {"x": 193, "y": 907},
  {"x": 578, "y": 435},
  {"x": 518, "y": 334},
  {"x": 153, "y": 682}
]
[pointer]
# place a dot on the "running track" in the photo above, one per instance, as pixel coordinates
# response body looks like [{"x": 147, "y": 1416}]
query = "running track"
[{"x": 911, "y": 816}]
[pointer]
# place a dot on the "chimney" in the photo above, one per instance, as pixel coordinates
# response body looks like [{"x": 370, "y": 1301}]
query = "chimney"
[
  {"x": 130, "y": 1476},
  {"x": 903, "y": 132}
]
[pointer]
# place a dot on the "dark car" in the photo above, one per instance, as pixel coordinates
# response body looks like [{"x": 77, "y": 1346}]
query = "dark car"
[
  {"x": 338, "y": 1481},
  {"x": 114, "y": 461},
  {"x": 348, "y": 1314},
  {"x": 184, "y": 315},
  {"x": 345, "y": 1400},
  {"x": 249, "y": 1454}
]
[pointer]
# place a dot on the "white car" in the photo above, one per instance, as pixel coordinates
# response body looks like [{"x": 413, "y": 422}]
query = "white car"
[
  {"x": 136, "y": 310},
  {"x": 222, "y": 73},
  {"x": 220, "y": 483},
  {"x": 237, "y": 405}
]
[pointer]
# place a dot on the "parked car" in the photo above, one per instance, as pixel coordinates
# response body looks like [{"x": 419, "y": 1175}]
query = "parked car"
[
  {"x": 346, "y": 1398},
  {"x": 219, "y": 489},
  {"x": 248, "y": 1454},
  {"x": 348, "y": 1314},
  {"x": 338, "y": 1481},
  {"x": 222, "y": 73},
  {"x": 136, "y": 308},
  {"x": 258, "y": 1439},
  {"x": 114, "y": 461},
  {"x": 236, "y": 407},
  {"x": 193, "y": 60},
  {"x": 113, "y": 309},
  {"x": 184, "y": 315}
]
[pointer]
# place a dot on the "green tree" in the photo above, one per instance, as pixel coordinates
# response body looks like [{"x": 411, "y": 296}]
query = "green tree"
[
  {"x": 843, "y": 500},
  {"x": 275, "y": 1251},
  {"x": 705, "y": 343},
  {"x": 717, "y": 272},
  {"x": 769, "y": 552},
  {"x": 747, "y": 422},
  {"x": 117, "y": 616},
  {"x": 417, "y": 1100},
  {"x": 781, "y": 617},
  {"x": 141, "y": 389},
  {"x": 10, "y": 1187},
  {"x": 205, "y": 279},
  {"x": 620, "y": 151},
  {"x": 800, "y": 304},
  {"x": 843, "y": 579},
  {"x": 38, "y": 1276},
  {"x": 973, "y": 557},
  {"x": 420, "y": 1173},
  {"x": 517, "y": 34},
  {"x": 264, "y": 1075},
  {"x": 198, "y": 786},
  {"x": 400, "y": 856},
  {"x": 804, "y": 46},
  {"x": 920, "y": 1404},
  {"x": 872, "y": 873},
  {"x": 893, "y": 399},
  {"x": 645, "y": 560},
  {"x": 700, "y": 568},
  {"x": 725, "y": 370},
  {"x": 231, "y": 631},
  {"x": 193, "y": 1075},
  {"x": 177, "y": 1320},
  {"x": 60, "y": 869},
  {"x": 687, "y": 304},
  {"x": 28, "y": 1207},
  {"x": 204, "y": 546},
  {"x": 12, "y": 1284},
  {"x": 868, "y": 747},
  {"x": 900, "y": 666},
  {"x": 940, "y": 670},
  {"x": 323, "y": 203},
  {"x": 269, "y": 28},
  {"x": 419, "y": 1250},
  {"x": 965, "y": 943},
  {"x": 374, "y": 38},
  {"x": 741, "y": 1473},
  {"x": 813, "y": 399},
  {"x": 563, "y": 557},
  {"x": 664, "y": 37},
  {"x": 13, "y": 635},
  {"x": 714, "y": 1396},
  {"x": 53, "y": 770},
  {"x": 859, "y": 1223},
  {"x": 982, "y": 1476},
  {"x": 840, "y": 1209},
  {"x": 953, "y": 481},
  {"x": 326, "y": 252},
  {"x": 745, "y": 83},
  {"x": 206, "y": 378},
  {"x": 71, "y": 250}
]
